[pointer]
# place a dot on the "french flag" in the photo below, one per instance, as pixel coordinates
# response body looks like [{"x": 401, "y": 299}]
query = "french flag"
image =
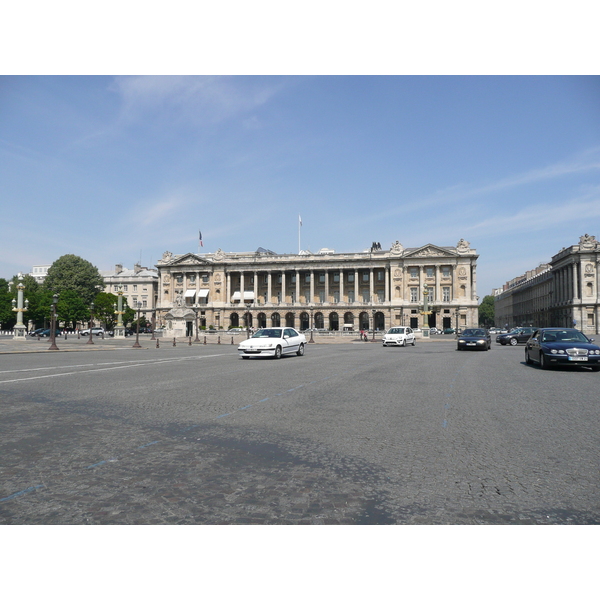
[{"x": 200, "y": 238}]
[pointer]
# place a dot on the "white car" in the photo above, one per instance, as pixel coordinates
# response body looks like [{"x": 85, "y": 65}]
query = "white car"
[
  {"x": 273, "y": 341},
  {"x": 399, "y": 336},
  {"x": 95, "y": 331}
]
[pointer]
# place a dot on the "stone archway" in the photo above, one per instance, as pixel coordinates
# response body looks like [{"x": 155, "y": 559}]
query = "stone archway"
[
  {"x": 363, "y": 321},
  {"x": 275, "y": 320},
  {"x": 319, "y": 321},
  {"x": 261, "y": 319},
  {"x": 289, "y": 320},
  {"x": 234, "y": 320},
  {"x": 304, "y": 321},
  {"x": 379, "y": 321},
  {"x": 334, "y": 321}
]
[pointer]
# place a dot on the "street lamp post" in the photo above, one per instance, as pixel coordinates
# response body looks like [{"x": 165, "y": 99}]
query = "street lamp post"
[
  {"x": 312, "y": 326},
  {"x": 120, "y": 328},
  {"x": 248, "y": 315},
  {"x": 137, "y": 329},
  {"x": 154, "y": 326},
  {"x": 425, "y": 312},
  {"x": 53, "y": 345},
  {"x": 19, "y": 329},
  {"x": 90, "y": 336},
  {"x": 196, "y": 309},
  {"x": 374, "y": 311}
]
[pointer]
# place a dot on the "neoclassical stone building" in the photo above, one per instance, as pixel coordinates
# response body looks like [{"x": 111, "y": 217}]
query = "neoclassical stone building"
[
  {"x": 563, "y": 293},
  {"x": 332, "y": 291}
]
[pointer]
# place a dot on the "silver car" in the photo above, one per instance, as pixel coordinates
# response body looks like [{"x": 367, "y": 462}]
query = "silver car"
[{"x": 399, "y": 336}]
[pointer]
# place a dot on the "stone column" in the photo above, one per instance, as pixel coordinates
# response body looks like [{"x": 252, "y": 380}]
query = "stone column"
[
  {"x": 371, "y": 287},
  {"x": 342, "y": 289},
  {"x": 356, "y": 296},
  {"x": 297, "y": 286},
  {"x": 283, "y": 287},
  {"x": 312, "y": 286},
  {"x": 255, "y": 287},
  {"x": 576, "y": 295},
  {"x": 388, "y": 291},
  {"x": 242, "y": 283},
  {"x": 269, "y": 287},
  {"x": 228, "y": 288},
  {"x": 326, "y": 286}
]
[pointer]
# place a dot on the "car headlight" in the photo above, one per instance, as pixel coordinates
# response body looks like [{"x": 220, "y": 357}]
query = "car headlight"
[
  {"x": 461, "y": 341},
  {"x": 481, "y": 341}
]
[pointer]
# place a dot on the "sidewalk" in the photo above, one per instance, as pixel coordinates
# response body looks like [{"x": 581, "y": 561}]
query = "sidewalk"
[{"x": 73, "y": 344}]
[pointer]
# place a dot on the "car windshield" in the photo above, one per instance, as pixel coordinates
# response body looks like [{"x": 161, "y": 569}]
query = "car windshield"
[
  {"x": 396, "y": 330},
  {"x": 473, "y": 332},
  {"x": 268, "y": 333},
  {"x": 564, "y": 336}
]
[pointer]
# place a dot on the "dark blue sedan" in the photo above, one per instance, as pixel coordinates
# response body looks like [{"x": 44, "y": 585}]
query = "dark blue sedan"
[{"x": 562, "y": 346}]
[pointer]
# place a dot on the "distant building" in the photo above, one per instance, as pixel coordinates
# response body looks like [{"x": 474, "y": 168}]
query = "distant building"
[
  {"x": 39, "y": 272},
  {"x": 140, "y": 284},
  {"x": 563, "y": 293},
  {"x": 334, "y": 291}
]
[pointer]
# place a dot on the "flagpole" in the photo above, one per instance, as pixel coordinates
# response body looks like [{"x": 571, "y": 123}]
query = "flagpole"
[{"x": 299, "y": 226}]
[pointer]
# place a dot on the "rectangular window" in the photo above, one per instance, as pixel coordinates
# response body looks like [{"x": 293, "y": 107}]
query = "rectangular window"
[
  {"x": 380, "y": 296},
  {"x": 380, "y": 275},
  {"x": 365, "y": 276},
  {"x": 413, "y": 272},
  {"x": 134, "y": 287},
  {"x": 350, "y": 277},
  {"x": 205, "y": 278},
  {"x": 321, "y": 277},
  {"x": 446, "y": 271},
  {"x": 430, "y": 295},
  {"x": 430, "y": 271},
  {"x": 125, "y": 288},
  {"x": 336, "y": 297},
  {"x": 365, "y": 296},
  {"x": 414, "y": 295},
  {"x": 179, "y": 278},
  {"x": 322, "y": 296},
  {"x": 446, "y": 294},
  {"x": 192, "y": 279},
  {"x": 307, "y": 278},
  {"x": 351, "y": 296},
  {"x": 336, "y": 278}
]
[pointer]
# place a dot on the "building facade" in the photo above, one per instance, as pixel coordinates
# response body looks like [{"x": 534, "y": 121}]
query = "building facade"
[
  {"x": 139, "y": 284},
  {"x": 328, "y": 290},
  {"x": 563, "y": 293}
]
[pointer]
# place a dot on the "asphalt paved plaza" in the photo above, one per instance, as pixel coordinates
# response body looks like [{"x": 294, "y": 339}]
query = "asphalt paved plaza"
[{"x": 348, "y": 434}]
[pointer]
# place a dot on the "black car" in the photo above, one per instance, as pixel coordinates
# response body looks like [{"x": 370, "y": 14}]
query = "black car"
[
  {"x": 562, "y": 346},
  {"x": 517, "y": 336},
  {"x": 47, "y": 333},
  {"x": 474, "y": 339}
]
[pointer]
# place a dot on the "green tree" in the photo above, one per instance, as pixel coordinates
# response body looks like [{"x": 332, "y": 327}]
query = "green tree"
[
  {"x": 104, "y": 310},
  {"x": 7, "y": 316},
  {"x": 73, "y": 273},
  {"x": 486, "y": 312},
  {"x": 71, "y": 308}
]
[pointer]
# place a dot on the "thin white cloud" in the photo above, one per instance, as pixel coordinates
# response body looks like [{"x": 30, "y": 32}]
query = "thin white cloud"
[{"x": 193, "y": 100}]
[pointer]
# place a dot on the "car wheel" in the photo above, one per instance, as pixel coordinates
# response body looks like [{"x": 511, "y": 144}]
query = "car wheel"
[
  {"x": 595, "y": 368},
  {"x": 278, "y": 352},
  {"x": 544, "y": 361},
  {"x": 414, "y": 343},
  {"x": 404, "y": 343},
  {"x": 300, "y": 350},
  {"x": 528, "y": 358},
  {"x": 245, "y": 357},
  {"x": 514, "y": 341}
]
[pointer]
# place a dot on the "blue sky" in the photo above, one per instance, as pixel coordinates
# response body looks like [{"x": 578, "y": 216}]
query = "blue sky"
[{"x": 115, "y": 169}]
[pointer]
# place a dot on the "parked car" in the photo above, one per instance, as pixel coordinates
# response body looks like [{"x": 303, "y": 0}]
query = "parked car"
[
  {"x": 94, "y": 330},
  {"x": 449, "y": 331},
  {"x": 37, "y": 332},
  {"x": 399, "y": 336},
  {"x": 474, "y": 339},
  {"x": 273, "y": 341},
  {"x": 552, "y": 346},
  {"x": 434, "y": 331},
  {"x": 48, "y": 332},
  {"x": 518, "y": 335}
]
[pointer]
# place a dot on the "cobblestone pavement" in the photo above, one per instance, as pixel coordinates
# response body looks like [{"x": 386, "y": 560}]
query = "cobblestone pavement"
[{"x": 347, "y": 434}]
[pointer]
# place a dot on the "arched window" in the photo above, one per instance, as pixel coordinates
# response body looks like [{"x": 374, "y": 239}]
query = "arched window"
[
  {"x": 319, "y": 321},
  {"x": 275, "y": 320},
  {"x": 304, "y": 321},
  {"x": 334, "y": 321},
  {"x": 289, "y": 320},
  {"x": 234, "y": 320},
  {"x": 261, "y": 319}
]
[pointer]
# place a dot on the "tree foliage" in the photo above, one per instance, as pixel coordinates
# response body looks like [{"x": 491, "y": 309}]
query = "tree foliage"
[
  {"x": 72, "y": 273},
  {"x": 486, "y": 311}
]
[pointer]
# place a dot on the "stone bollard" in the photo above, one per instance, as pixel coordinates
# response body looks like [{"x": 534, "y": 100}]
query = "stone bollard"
[
  {"x": 219, "y": 340},
  {"x": 232, "y": 339},
  {"x": 157, "y": 344},
  {"x": 174, "y": 342},
  {"x": 190, "y": 342},
  {"x": 205, "y": 340}
]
